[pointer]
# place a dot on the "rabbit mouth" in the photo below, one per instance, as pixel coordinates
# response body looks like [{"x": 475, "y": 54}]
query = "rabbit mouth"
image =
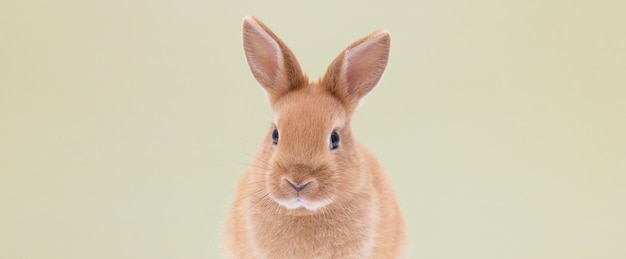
[{"x": 300, "y": 202}]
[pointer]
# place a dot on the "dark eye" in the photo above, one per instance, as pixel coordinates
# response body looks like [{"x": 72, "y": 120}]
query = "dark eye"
[
  {"x": 334, "y": 140},
  {"x": 275, "y": 137}
]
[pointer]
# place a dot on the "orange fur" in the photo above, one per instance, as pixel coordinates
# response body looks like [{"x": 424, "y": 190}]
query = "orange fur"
[{"x": 347, "y": 208}]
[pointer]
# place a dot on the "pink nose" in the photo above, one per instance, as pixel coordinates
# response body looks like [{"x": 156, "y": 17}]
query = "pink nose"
[{"x": 298, "y": 187}]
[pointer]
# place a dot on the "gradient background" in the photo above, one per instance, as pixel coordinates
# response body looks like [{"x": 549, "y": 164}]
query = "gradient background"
[{"x": 125, "y": 125}]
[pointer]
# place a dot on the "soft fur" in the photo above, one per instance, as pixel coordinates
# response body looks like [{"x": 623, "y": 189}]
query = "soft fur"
[{"x": 347, "y": 208}]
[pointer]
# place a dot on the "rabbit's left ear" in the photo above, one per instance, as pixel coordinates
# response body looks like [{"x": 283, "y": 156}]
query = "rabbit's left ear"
[
  {"x": 357, "y": 70},
  {"x": 271, "y": 62}
]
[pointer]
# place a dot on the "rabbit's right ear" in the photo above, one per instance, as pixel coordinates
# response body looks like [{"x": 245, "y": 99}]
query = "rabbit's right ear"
[{"x": 273, "y": 65}]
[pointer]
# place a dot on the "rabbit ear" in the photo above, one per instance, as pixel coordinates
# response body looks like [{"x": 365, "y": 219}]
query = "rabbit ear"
[
  {"x": 357, "y": 70},
  {"x": 273, "y": 65}
]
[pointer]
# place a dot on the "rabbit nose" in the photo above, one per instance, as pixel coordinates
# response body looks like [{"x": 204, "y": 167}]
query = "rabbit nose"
[{"x": 298, "y": 187}]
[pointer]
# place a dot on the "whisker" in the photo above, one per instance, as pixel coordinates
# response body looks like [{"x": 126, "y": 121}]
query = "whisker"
[{"x": 256, "y": 203}]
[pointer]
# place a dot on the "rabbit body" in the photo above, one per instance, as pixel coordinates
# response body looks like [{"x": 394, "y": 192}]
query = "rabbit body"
[{"x": 313, "y": 191}]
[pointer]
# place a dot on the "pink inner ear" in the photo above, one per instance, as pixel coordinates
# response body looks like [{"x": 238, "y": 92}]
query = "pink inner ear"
[
  {"x": 357, "y": 67},
  {"x": 364, "y": 65},
  {"x": 263, "y": 55},
  {"x": 266, "y": 56}
]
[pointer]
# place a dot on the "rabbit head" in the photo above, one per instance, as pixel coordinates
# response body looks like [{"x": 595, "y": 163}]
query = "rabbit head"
[{"x": 310, "y": 157}]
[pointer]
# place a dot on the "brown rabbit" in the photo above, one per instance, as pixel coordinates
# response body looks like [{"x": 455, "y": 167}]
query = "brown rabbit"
[{"x": 313, "y": 191}]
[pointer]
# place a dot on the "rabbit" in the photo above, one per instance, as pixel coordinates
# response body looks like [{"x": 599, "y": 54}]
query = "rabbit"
[{"x": 313, "y": 191}]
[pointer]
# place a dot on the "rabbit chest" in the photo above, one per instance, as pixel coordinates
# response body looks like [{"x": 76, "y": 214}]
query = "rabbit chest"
[{"x": 343, "y": 231}]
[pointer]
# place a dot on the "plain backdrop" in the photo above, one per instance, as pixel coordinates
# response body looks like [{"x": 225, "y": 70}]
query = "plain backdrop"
[{"x": 125, "y": 125}]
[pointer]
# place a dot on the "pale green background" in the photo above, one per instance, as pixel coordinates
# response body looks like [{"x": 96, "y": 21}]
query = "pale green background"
[{"x": 125, "y": 125}]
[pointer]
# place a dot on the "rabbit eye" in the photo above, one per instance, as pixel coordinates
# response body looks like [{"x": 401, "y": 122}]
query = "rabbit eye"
[
  {"x": 275, "y": 137},
  {"x": 334, "y": 140}
]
